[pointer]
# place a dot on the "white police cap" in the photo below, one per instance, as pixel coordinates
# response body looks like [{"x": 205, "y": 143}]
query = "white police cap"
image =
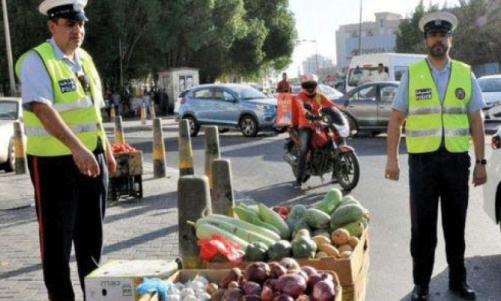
[
  {"x": 69, "y": 9},
  {"x": 442, "y": 20}
]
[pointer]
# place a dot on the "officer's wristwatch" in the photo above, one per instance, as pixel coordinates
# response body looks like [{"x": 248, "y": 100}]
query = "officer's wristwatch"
[{"x": 481, "y": 161}]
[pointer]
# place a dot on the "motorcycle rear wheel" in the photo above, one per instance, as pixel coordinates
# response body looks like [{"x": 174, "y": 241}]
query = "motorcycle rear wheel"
[{"x": 347, "y": 171}]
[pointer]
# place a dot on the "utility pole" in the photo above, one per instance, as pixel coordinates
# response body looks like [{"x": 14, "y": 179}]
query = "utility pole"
[
  {"x": 9, "y": 49},
  {"x": 120, "y": 63},
  {"x": 360, "y": 31}
]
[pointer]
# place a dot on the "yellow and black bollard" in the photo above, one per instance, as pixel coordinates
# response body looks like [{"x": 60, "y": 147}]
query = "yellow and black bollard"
[
  {"x": 152, "y": 111},
  {"x": 143, "y": 114},
  {"x": 159, "y": 156},
  {"x": 185, "y": 150},
  {"x": 211, "y": 151},
  {"x": 113, "y": 114},
  {"x": 193, "y": 201},
  {"x": 223, "y": 199},
  {"x": 19, "y": 149},
  {"x": 119, "y": 132}
]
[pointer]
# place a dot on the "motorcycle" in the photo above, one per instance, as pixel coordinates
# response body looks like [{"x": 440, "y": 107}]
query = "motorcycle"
[{"x": 328, "y": 151}]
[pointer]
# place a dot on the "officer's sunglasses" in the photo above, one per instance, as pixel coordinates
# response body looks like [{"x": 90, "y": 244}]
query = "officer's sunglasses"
[{"x": 84, "y": 81}]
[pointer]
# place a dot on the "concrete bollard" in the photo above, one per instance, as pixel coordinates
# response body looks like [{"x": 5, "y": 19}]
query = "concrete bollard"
[
  {"x": 211, "y": 151},
  {"x": 113, "y": 114},
  {"x": 159, "y": 157},
  {"x": 19, "y": 149},
  {"x": 143, "y": 114},
  {"x": 193, "y": 200},
  {"x": 223, "y": 199},
  {"x": 119, "y": 132},
  {"x": 153, "y": 114},
  {"x": 185, "y": 150}
]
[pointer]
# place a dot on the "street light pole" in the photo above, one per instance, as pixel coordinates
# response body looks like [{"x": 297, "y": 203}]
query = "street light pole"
[
  {"x": 360, "y": 31},
  {"x": 9, "y": 48}
]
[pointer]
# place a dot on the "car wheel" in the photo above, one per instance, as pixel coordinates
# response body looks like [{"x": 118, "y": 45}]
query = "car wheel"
[
  {"x": 194, "y": 126},
  {"x": 10, "y": 165},
  {"x": 353, "y": 125},
  {"x": 248, "y": 126}
]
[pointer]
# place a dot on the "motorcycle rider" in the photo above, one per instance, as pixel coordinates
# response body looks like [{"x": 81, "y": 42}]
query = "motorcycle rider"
[{"x": 310, "y": 96}]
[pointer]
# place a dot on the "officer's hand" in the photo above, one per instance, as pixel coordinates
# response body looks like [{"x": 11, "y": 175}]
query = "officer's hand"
[
  {"x": 110, "y": 161},
  {"x": 86, "y": 162},
  {"x": 392, "y": 171},
  {"x": 479, "y": 175}
]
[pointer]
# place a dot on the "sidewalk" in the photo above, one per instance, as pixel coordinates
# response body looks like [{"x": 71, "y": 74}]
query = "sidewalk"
[{"x": 134, "y": 229}]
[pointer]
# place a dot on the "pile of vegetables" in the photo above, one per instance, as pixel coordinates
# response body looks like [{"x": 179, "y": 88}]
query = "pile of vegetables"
[
  {"x": 275, "y": 281},
  {"x": 330, "y": 229},
  {"x": 122, "y": 148}
]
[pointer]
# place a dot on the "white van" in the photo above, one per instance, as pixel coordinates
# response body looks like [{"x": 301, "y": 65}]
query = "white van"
[{"x": 362, "y": 67}]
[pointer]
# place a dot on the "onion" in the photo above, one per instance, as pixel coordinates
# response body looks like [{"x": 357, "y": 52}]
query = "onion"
[
  {"x": 292, "y": 285},
  {"x": 257, "y": 272},
  {"x": 290, "y": 263},
  {"x": 324, "y": 291},
  {"x": 276, "y": 269},
  {"x": 251, "y": 288},
  {"x": 309, "y": 270}
]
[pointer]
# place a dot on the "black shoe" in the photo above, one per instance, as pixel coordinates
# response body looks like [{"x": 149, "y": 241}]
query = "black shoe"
[
  {"x": 420, "y": 293},
  {"x": 297, "y": 185},
  {"x": 462, "y": 290}
]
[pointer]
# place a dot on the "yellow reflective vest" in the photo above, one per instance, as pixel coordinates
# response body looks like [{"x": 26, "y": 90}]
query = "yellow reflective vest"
[
  {"x": 429, "y": 119},
  {"x": 79, "y": 109}
]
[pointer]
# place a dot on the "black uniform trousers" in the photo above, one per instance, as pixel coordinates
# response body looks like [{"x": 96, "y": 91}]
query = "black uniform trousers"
[
  {"x": 433, "y": 176},
  {"x": 304, "y": 145},
  {"x": 70, "y": 209}
]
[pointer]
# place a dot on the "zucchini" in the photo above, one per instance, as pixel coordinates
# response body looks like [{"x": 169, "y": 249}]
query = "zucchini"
[
  {"x": 207, "y": 231},
  {"x": 250, "y": 216},
  {"x": 245, "y": 234},
  {"x": 270, "y": 216},
  {"x": 244, "y": 225}
]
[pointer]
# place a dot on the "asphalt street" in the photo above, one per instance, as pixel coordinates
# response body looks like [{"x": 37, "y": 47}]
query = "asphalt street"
[{"x": 260, "y": 173}]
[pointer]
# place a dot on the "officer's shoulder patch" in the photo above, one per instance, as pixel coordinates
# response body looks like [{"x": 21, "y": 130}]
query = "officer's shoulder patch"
[
  {"x": 423, "y": 94},
  {"x": 67, "y": 85}
]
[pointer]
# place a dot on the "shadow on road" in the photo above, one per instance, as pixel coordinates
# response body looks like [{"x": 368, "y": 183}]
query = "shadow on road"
[
  {"x": 484, "y": 274},
  {"x": 285, "y": 195}
]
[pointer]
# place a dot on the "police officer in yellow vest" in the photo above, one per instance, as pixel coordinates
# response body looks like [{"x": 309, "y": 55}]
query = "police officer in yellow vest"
[
  {"x": 441, "y": 102},
  {"x": 68, "y": 154}
]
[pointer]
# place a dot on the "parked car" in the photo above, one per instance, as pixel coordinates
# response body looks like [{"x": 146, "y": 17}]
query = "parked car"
[
  {"x": 491, "y": 92},
  {"x": 368, "y": 107},
  {"x": 10, "y": 111},
  {"x": 331, "y": 93},
  {"x": 228, "y": 105}
]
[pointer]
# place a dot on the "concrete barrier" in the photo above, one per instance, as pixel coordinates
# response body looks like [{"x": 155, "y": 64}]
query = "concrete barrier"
[
  {"x": 143, "y": 114},
  {"x": 19, "y": 149},
  {"x": 193, "y": 199},
  {"x": 153, "y": 114},
  {"x": 212, "y": 151},
  {"x": 119, "y": 132},
  {"x": 113, "y": 114},
  {"x": 159, "y": 157},
  {"x": 185, "y": 150},
  {"x": 223, "y": 199}
]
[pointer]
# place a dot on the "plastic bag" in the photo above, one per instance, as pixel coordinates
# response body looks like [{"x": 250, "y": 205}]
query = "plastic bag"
[
  {"x": 155, "y": 285},
  {"x": 218, "y": 245}
]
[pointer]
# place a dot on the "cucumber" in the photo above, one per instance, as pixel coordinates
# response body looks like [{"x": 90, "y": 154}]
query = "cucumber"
[
  {"x": 207, "y": 231},
  {"x": 247, "y": 235},
  {"x": 270, "y": 216},
  {"x": 250, "y": 216},
  {"x": 244, "y": 225}
]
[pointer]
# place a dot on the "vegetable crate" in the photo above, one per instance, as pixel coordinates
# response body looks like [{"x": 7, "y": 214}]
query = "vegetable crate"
[
  {"x": 127, "y": 180},
  {"x": 217, "y": 276},
  {"x": 352, "y": 271}
]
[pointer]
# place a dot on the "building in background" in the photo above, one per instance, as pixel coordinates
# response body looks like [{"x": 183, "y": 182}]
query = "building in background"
[{"x": 377, "y": 37}]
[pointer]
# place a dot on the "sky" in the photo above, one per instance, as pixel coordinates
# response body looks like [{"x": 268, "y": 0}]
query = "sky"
[{"x": 319, "y": 19}]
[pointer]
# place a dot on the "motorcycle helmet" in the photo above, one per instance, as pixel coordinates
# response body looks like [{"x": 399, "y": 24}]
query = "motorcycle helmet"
[{"x": 309, "y": 83}]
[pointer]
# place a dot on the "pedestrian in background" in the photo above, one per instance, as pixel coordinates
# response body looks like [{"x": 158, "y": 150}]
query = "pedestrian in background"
[
  {"x": 68, "y": 153},
  {"x": 283, "y": 85},
  {"x": 441, "y": 102}
]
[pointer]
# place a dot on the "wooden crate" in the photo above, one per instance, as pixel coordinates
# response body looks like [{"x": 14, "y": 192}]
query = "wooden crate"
[
  {"x": 129, "y": 164},
  {"x": 217, "y": 276},
  {"x": 357, "y": 291}
]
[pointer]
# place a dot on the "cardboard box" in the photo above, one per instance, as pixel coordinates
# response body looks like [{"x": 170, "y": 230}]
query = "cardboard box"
[
  {"x": 347, "y": 269},
  {"x": 117, "y": 280}
]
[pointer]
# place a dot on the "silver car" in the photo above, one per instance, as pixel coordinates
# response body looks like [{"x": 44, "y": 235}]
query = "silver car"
[
  {"x": 10, "y": 111},
  {"x": 368, "y": 107}
]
